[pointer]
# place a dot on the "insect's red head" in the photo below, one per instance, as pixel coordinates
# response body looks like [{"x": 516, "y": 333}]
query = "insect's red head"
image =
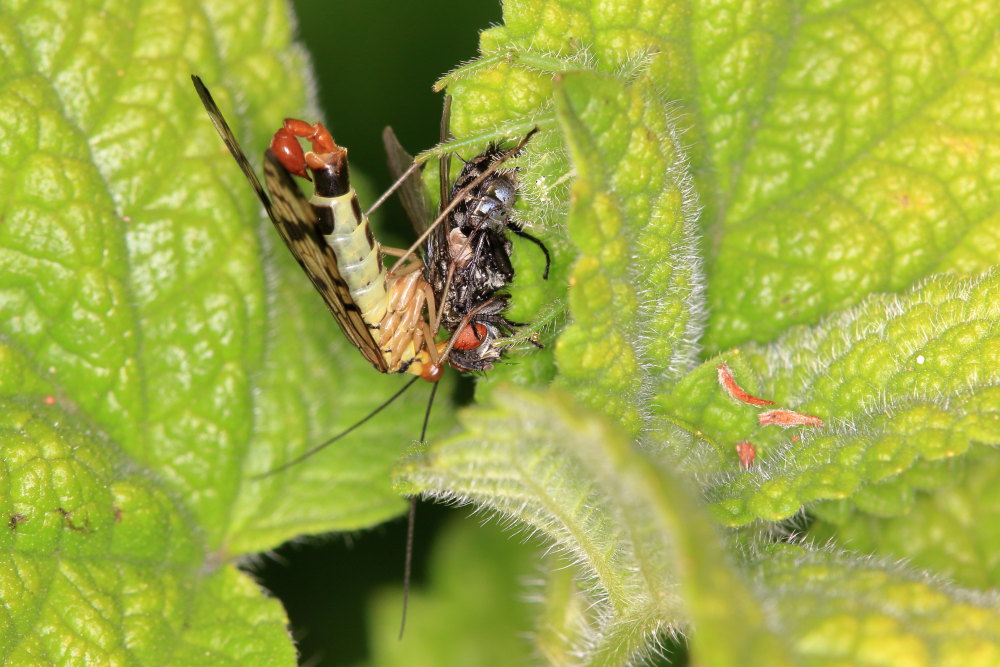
[
  {"x": 425, "y": 366},
  {"x": 431, "y": 372},
  {"x": 285, "y": 145}
]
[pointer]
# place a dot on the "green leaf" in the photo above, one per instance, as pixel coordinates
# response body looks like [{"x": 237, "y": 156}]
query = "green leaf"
[
  {"x": 158, "y": 349},
  {"x": 631, "y": 527},
  {"x": 901, "y": 383},
  {"x": 146, "y": 298},
  {"x": 101, "y": 565},
  {"x": 635, "y": 284},
  {"x": 846, "y": 153},
  {"x": 835, "y": 153},
  {"x": 473, "y": 611},
  {"x": 635, "y": 288},
  {"x": 839, "y": 609},
  {"x": 635, "y": 533},
  {"x": 951, "y": 531}
]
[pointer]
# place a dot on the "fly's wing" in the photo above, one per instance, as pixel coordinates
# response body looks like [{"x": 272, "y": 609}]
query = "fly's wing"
[
  {"x": 228, "y": 138},
  {"x": 444, "y": 164},
  {"x": 439, "y": 239},
  {"x": 412, "y": 195},
  {"x": 295, "y": 221}
]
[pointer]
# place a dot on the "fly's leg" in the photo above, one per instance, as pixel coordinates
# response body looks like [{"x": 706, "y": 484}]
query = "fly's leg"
[
  {"x": 447, "y": 286},
  {"x": 422, "y": 336},
  {"x": 433, "y": 350}
]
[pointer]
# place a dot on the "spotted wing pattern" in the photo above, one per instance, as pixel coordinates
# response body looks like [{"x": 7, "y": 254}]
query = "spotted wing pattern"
[{"x": 295, "y": 221}]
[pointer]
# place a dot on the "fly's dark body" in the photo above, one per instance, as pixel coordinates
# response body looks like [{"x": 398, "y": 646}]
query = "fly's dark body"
[
  {"x": 467, "y": 255},
  {"x": 478, "y": 223},
  {"x": 472, "y": 246}
]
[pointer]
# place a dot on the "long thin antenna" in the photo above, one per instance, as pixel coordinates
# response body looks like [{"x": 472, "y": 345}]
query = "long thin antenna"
[
  {"x": 392, "y": 188},
  {"x": 411, "y": 523},
  {"x": 326, "y": 443},
  {"x": 445, "y": 118},
  {"x": 408, "y": 563}
]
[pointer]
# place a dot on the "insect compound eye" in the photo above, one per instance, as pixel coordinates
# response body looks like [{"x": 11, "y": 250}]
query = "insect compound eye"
[{"x": 471, "y": 337}]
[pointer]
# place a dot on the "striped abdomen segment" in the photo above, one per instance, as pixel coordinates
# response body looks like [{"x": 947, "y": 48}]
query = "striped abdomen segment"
[
  {"x": 346, "y": 231},
  {"x": 335, "y": 245},
  {"x": 359, "y": 257},
  {"x": 394, "y": 306}
]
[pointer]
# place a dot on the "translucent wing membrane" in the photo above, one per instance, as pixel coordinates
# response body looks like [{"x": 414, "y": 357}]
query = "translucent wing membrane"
[{"x": 411, "y": 191}]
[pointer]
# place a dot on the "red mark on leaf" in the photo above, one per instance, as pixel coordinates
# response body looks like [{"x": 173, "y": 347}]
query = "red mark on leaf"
[
  {"x": 787, "y": 418},
  {"x": 747, "y": 453},
  {"x": 728, "y": 383}
]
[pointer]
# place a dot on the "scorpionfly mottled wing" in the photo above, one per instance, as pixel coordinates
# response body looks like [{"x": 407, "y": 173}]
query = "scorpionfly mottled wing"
[{"x": 295, "y": 221}]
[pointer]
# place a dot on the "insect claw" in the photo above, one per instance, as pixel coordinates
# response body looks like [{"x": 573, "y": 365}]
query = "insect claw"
[
  {"x": 315, "y": 133},
  {"x": 285, "y": 145},
  {"x": 289, "y": 152}
]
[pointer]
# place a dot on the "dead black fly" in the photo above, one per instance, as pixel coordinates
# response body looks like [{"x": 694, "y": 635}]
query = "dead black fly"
[{"x": 468, "y": 255}]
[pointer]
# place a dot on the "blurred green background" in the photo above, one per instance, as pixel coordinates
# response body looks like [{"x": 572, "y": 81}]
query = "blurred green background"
[{"x": 375, "y": 62}]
